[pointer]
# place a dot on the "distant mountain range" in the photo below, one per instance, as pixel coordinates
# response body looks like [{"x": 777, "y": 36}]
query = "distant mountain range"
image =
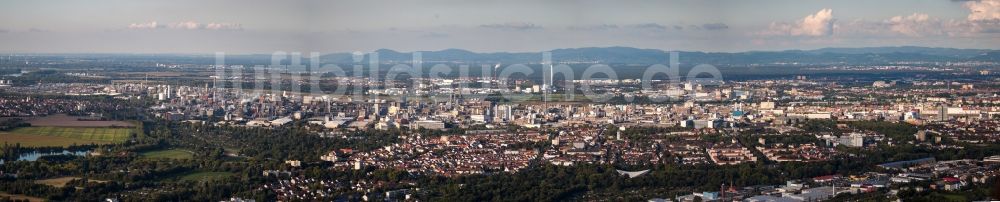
[{"x": 627, "y": 55}]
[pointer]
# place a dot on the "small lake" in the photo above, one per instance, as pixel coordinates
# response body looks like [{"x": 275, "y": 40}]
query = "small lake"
[{"x": 33, "y": 156}]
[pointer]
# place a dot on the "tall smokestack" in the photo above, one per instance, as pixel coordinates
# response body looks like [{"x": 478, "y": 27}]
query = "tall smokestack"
[{"x": 494, "y": 73}]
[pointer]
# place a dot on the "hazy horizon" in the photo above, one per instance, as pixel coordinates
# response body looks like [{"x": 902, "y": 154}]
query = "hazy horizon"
[
  {"x": 478, "y": 52},
  {"x": 241, "y": 27}
]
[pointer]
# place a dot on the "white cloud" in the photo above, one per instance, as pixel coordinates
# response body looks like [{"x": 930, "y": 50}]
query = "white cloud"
[
  {"x": 187, "y": 25},
  {"x": 917, "y": 24},
  {"x": 146, "y": 25},
  {"x": 983, "y": 10},
  {"x": 715, "y": 26},
  {"x": 600, "y": 27},
  {"x": 517, "y": 26},
  {"x": 913, "y": 25},
  {"x": 435, "y": 35},
  {"x": 818, "y": 24},
  {"x": 649, "y": 26},
  {"x": 224, "y": 26},
  {"x": 922, "y": 25}
]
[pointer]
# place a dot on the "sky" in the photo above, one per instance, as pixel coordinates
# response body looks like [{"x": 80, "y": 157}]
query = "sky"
[{"x": 260, "y": 26}]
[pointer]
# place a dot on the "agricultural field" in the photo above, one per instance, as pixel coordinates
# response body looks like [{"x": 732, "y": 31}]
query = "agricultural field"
[
  {"x": 169, "y": 154},
  {"x": 62, "y": 181},
  {"x": 19, "y": 197},
  {"x": 56, "y": 182},
  {"x": 62, "y": 120},
  {"x": 51, "y": 136}
]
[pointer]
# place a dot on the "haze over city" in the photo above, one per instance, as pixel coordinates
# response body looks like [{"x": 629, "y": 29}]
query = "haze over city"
[{"x": 446, "y": 100}]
